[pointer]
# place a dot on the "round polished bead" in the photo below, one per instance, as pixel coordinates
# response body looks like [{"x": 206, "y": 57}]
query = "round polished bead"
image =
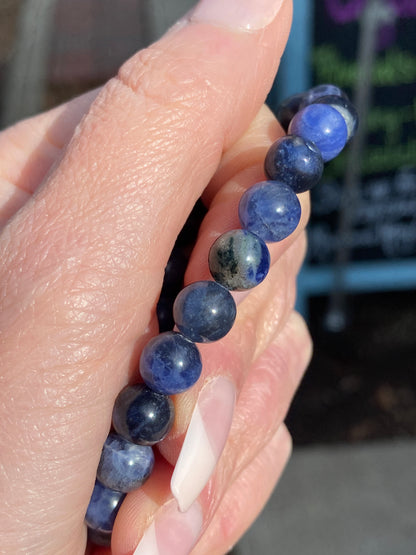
[
  {"x": 270, "y": 209},
  {"x": 287, "y": 109},
  {"x": 124, "y": 466},
  {"x": 239, "y": 260},
  {"x": 103, "y": 508},
  {"x": 313, "y": 94},
  {"x": 324, "y": 126},
  {"x": 170, "y": 363},
  {"x": 142, "y": 415},
  {"x": 296, "y": 162},
  {"x": 346, "y": 109},
  {"x": 204, "y": 311}
]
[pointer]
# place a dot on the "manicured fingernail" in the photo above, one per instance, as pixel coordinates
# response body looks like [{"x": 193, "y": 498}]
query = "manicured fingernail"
[
  {"x": 172, "y": 532},
  {"x": 247, "y": 15},
  {"x": 204, "y": 441}
]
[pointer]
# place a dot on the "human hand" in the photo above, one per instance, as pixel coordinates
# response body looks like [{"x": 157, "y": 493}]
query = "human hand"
[{"x": 101, "y": 201}]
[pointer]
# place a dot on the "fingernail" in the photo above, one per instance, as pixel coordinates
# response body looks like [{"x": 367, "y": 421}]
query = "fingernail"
[
  {"x": 172, "y": 532},
  {"x": 204, "y": 441},
  {"x": 247, "y": 15}
]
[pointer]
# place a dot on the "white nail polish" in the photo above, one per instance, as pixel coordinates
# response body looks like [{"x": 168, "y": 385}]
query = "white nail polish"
[
  {"x": 172, "y": 532},
  {"x": 247, "y": 15},
  {"x": 204, "y": 441}
]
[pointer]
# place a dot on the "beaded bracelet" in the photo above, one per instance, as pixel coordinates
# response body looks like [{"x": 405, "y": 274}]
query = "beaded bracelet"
[{"x": 320, "y": 122}]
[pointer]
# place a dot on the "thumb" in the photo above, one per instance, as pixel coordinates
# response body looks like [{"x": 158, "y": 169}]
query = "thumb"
[
  {"x": 83, "y": 260},
  {"x": 151, "y": 141}
]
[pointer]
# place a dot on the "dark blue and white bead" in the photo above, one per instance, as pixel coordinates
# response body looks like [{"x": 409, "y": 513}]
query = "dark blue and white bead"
[
  {"x": 296, "y": 162},
  {"x": 170, "y": 363},
  {"x": 204, "y": 311},
  {"x": 270, "y": 210},
  {"x": 346, "y": 109},
  {"x": 103, "y": 508},
  {"x": 142, "y": 415},
  {"x": 124, "y": 466},
  {"x": 239, "y": 260},
  {"x": 324, "y": 126}
]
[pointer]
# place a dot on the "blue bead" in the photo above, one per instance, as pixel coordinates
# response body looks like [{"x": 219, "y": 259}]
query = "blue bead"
[
  {"x": 124, "y": 466},
  {"x": 142, "y": 415},
  {"x": 239, "y": 260},
  {"x": 204, "y": 311},
  {"x": 287, "y": 109},
  {"x": 103, "y": 508},
  {"x": 170, "y": 363},
  {"x": 270, "y": 210},
  {"x": 313, "y": 94},
  {"x": 296, "y": 162},
  {"x": 322, "y": 125},
  {"x": 346, "y": 109}
]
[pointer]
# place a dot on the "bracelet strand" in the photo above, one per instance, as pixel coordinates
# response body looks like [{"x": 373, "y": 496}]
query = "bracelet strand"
[{"x": 319, "y": 124}]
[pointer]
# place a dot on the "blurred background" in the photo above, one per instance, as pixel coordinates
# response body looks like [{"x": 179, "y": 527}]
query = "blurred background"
[{"x": 350, "y": 487}]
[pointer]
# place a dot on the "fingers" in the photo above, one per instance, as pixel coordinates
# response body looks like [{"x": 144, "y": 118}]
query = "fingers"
[
  {"x": 263, "y": 357},
  {"x": 265, "y": 310},
  {"x": 227, "y": 524},
  {"x": 83, "y": 259},
  {"x": 260, "y": 408},
  {"x": 235, "y": 515},
  {"x": 240, "y": 168},
  {"x": 260, "y": 319}
]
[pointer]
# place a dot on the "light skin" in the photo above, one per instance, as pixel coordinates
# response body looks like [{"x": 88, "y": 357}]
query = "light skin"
[{"x": 92, "y": 197}]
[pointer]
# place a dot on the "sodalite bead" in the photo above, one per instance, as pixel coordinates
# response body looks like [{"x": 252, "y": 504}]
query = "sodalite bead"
[
  {"x": 296, "y": 162},
  {"x": 170, "y": 363},
  {"x": 324, "y": 126},
  {"x": 345, "y": 108},
  {"x": 288, "y": 108},
  {"x": 204, "y": 311},
  {"x": 142, "y": 415},
  {"x": 313, "y": 94},
  {"x": 270, "y": 209},
  {"x": 124, "y": 466},
  {"x": 239, "y": 260},
  {"x": 103, "y": 508}
]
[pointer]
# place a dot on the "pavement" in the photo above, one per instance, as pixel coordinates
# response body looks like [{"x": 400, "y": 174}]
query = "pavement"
[{"x": 341, "y": 500}]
